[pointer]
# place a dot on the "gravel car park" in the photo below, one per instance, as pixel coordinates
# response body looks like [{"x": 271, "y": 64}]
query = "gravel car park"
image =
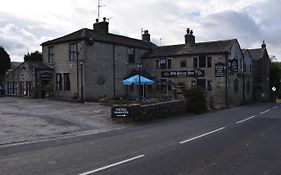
[{"x": 23, "y": 119}]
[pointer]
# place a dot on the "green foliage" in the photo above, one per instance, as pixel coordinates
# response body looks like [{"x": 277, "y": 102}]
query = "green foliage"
[
  {"x": 33, "y": 56},
  {"x": 5, "y": 61},
  {"x": 275, "y": 76},
  {"x": 195, "y": 100}
]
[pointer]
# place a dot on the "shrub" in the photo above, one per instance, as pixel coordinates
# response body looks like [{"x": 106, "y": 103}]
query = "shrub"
[{"x": 195, "y": 100}]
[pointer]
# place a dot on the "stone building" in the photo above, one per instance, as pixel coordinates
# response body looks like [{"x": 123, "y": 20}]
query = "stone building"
[
  {"x": 248, "y": 76},
  {"x": 31, "y": 79},
  {"x": 89, "y": 64},
  {"x": 261, "y": 73},
  {"x": 215, "y": 67}
]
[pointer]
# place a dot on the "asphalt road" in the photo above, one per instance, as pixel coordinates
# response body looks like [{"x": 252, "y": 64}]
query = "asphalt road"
[{"x": 242, "y": 140}]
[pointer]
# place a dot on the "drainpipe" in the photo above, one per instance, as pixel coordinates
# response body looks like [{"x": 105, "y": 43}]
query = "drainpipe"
[
  {"x": 226, "y": 80},
  {"x": 114, "y": 73},
  {"x": 243, "y": 70}
]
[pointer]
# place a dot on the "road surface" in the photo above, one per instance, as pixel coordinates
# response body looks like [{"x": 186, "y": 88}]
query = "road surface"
[{"x": 242, "y": 140}]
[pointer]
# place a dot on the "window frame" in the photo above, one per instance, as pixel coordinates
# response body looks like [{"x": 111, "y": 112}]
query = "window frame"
[
  {"x": 131, "y": 51},
  {"x": 73, "y": 52},
  {"x": 66, "y": 82},
  {"x": 51, "y": 54},
  {"x": 209, "y": 62},
  {"x": 202, "y": 62},
  {"x": 183, "y": 64},
  {"x": 59, "y": 82}
]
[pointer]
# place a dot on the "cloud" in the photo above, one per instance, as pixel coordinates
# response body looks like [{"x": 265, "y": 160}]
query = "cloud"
[
  {"x": 229, "y": 25},
  {"x": 249, "y": 21},
  {"x": 17, "y": 41}
]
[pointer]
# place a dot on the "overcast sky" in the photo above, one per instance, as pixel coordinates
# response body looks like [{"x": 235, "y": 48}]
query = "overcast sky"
[{"x": 25, "y": 24}]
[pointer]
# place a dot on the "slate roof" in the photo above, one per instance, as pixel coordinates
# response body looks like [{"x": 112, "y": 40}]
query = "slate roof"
[
  {"x": 38, "y": 65},
  {"x": 100, "y": 36},
  {"x": 213, "y": 47},
  {"x": 15, "y": 65},
  {"x": 256, "y": 54}
]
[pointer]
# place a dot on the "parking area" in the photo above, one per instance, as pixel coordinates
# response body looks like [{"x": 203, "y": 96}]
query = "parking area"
[{"x": 24, "y": 119}]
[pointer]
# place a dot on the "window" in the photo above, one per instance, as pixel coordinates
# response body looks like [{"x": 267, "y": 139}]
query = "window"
[
  {"x": 248, "y": 87},
  {"x": 202, "y": 61},
  {"x": 51, "y": 54},
  {"x": 183, "y": 63},
  {"x": 165, "y": 63},
  {"x": 131, "y": 55},
  {"x": 209, "y": 85},
  {"x": 201, "y": 84},
  {"x": 193, "y": 84},
  {"x": 163, "y": 84},
  {"x": 28, "y": 88},
  {"x": 169, "y": 63},
  {"x": 66, "y": 82},
  {"x": 236, "y": 85},
  {"x": 157, "y": 64},
  {"x": 15, "y": 88},
  {"x": 59, "y": 82},
  {"x": 195, "y": 62},
  {"x": 209, "y": 62},
  {"x": 73, "y": 52},
  {"x": 22, "y": 89},
  {"x": 10, "y": 87}
]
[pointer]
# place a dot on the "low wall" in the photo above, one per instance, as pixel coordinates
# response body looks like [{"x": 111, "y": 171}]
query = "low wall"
[{"x": 149, "y": 111}]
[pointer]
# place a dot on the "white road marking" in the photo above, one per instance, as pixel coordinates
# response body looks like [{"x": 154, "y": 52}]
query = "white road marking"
[
  {"x": 265, "y": 111},
  {"x": 60, "y": 137},
  {"x": 275, "y": 107},
  {"x": 112, "y": 165},
  {"x": 197, "y": 137},
  {"x": 246, "y": 119}
]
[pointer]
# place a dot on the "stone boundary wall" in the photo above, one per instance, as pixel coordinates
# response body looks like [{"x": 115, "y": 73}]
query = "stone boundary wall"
[{"x": 149, "y": 111}]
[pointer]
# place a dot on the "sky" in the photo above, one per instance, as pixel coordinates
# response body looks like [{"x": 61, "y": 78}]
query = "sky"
[{"x": 25, "y": 24}]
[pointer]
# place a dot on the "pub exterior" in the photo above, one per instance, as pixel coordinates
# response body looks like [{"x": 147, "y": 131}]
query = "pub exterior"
[{"x": 215, "y": 67}]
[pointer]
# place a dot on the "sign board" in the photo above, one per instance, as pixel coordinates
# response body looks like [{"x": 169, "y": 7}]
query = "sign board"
[
  {"x": 233, "y": 65},
  {"x": 219, "y": 69},
  {"x": 183, "y": 74},
  {"x": 119, "y": 112},
  {"x": 273, "y": 89}
]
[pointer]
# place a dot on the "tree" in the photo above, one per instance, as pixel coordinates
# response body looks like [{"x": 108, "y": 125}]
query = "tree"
[
  {"x": 275, "y": 77},
  {"x": 33, "y": 56},
  {"x": 5, "y": 62}
]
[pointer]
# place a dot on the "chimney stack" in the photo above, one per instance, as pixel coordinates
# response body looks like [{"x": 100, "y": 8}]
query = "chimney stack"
[
  {"x": 189, "y": 37},
  {"x": 101, "y": 26},
  {"x": 146, "y": 36}
]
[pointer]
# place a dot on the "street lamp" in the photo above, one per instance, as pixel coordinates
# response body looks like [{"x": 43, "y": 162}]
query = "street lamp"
[{"x": 139, "y": 66}]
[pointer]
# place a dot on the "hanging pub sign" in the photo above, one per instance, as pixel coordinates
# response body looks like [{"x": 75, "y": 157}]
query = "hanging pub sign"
[
  {"x": 233, "y": 65},
  {"x": 219, "y": 69},
  {"x": 183, "y": 74}
]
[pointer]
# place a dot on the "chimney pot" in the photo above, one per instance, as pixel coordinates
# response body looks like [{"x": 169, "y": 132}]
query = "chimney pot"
[
  {"x": 189, "y": 37},
  {"x": 146, "y": 36}
]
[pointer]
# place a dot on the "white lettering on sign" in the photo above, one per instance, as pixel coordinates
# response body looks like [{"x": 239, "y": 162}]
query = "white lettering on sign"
[{"x": 121, "y": 112}]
